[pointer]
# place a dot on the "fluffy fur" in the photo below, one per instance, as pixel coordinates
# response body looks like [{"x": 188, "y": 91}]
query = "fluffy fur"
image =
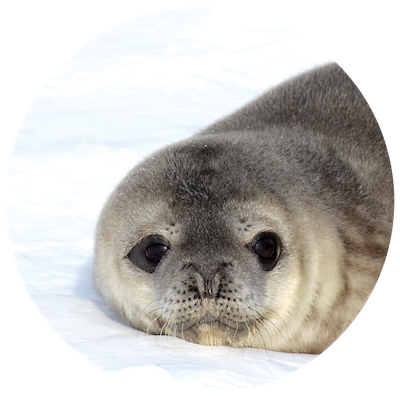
[{"x": 305, "y": 161}]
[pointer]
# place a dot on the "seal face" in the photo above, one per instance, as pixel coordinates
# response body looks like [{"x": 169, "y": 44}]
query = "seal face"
[{"x": 267, "y": 229}]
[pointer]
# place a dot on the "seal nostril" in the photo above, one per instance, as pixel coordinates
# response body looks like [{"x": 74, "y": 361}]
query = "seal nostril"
[
  {"x": 207, "y": 284},
  {"x": 211, "y": 288}
]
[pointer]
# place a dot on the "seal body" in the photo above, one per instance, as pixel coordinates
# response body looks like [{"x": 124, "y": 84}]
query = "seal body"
[{"x": 267, "y": 229}]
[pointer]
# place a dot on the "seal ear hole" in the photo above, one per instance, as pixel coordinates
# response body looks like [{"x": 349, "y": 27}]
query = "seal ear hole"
[
  {"x": 149, "y": 253},
  {"x": 267, "y": 246}
]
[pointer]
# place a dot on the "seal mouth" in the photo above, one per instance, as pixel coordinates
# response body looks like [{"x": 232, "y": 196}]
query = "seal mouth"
[
  {"x": 220, "y": 323},
  {"x": 207, "y": 320},
  {"x": 210, "y": 331},
  {"x": 210, "y": 321}
]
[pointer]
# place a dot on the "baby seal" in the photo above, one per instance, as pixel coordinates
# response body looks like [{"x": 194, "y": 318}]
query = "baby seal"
[{"x": 268, "y": 229}]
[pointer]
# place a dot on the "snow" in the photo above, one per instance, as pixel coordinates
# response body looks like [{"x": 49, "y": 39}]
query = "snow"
[{"x": 132, "y": 90}]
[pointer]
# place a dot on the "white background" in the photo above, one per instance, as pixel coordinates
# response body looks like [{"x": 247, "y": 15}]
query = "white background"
[{"x": 135, "y": 88}]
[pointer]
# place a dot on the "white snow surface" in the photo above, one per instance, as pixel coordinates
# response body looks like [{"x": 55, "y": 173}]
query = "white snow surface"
[{"x": 137, "y": 87}]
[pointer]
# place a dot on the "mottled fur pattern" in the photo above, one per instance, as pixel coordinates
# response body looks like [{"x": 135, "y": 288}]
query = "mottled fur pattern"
[{"x": 305, "y": 161}]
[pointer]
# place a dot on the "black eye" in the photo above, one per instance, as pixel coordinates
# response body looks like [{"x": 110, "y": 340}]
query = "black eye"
[
  {"x": 148, "y": 253},
  {"x": 267, "y": 247},
  {"x": 155, "y": 253}
]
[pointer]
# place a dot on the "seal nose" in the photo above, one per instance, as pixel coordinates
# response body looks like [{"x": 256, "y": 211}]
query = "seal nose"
[{"x": 207, "y": 284}]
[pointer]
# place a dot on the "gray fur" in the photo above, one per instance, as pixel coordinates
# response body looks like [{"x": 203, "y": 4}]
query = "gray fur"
[{"x": 306, "y": 161}]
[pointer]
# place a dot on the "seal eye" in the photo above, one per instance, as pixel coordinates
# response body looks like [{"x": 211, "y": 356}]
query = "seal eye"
[
  {"x": 155, "y": 253},
  {"x": 267, "y": 247},
  {"x": 148, "y": 253}
]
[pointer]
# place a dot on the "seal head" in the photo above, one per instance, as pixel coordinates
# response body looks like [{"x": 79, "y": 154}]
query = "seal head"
[{"x": 270, "y": 236}]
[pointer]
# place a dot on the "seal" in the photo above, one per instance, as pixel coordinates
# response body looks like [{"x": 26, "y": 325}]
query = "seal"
[{"x": 267, "y": 229}]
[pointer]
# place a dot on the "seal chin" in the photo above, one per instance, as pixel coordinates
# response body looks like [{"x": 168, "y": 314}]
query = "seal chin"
[{"x": 212, "y": 332}]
